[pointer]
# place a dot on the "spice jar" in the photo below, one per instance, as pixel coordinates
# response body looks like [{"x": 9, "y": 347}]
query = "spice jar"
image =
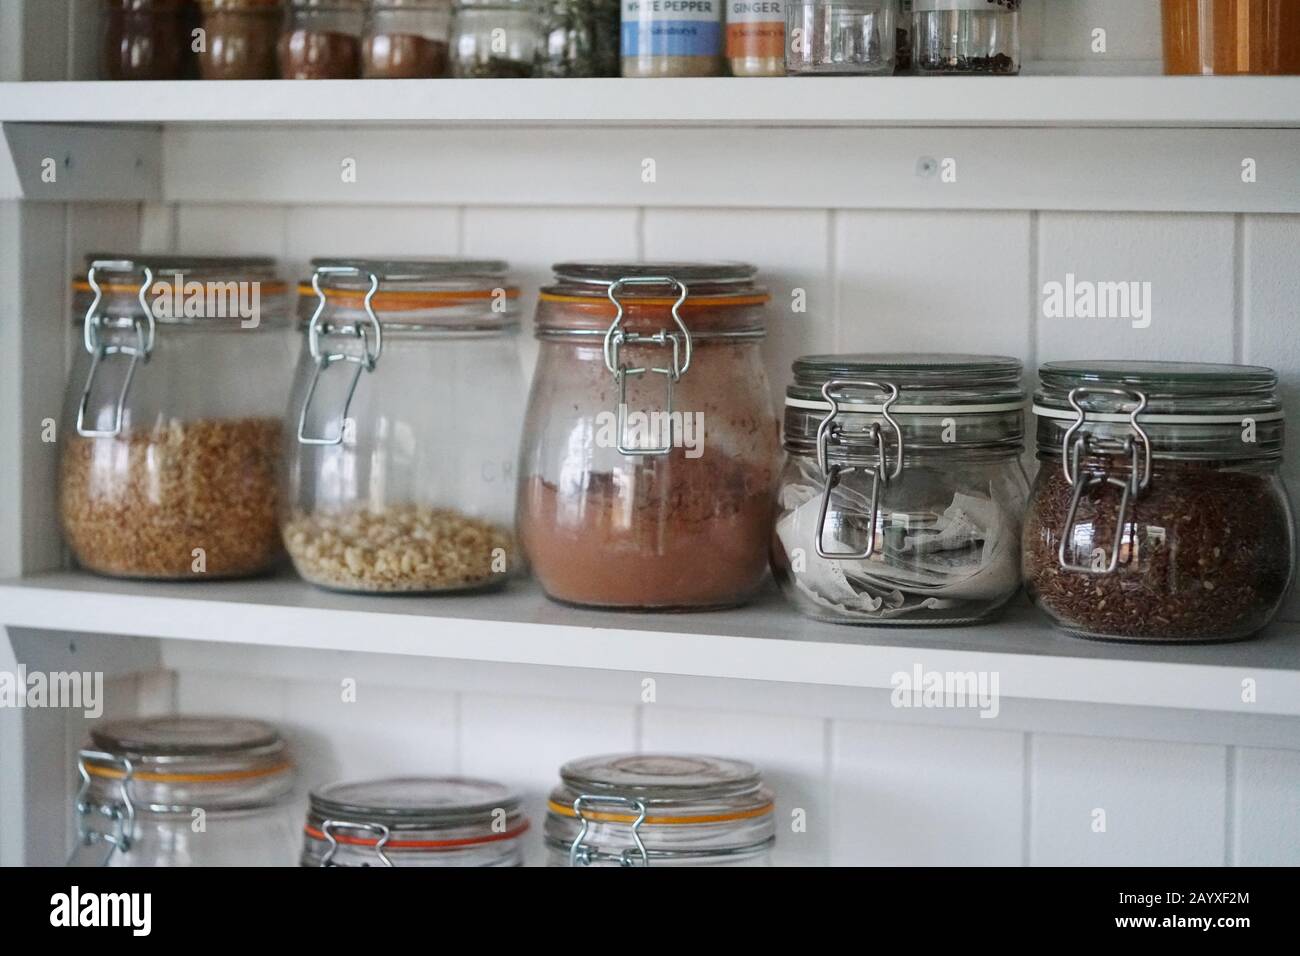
[
  {"x": 903, "y": 490},
  {"x": 406, "y": 39},
  {"x": 184, "y": 791},
  {"x": 660, "y": 810},
  {"x": 650, "y": 449},
  {"x": 1229, "y": 37},
  {"x": 841, "y": 37},
  {"x": 414, "y": 821},
  {"x": 1158, "y": 513},
  {"x": 322, "y": 40},
  {"x": 903, "y": 43},
  {"x": 579, "y": 38},
  {"x": 966, "y": 36},
  {"x": 496, "y": 39},
  {"x": 405, "y": 416},
  {"x": 672, "y": 37},
  {"x": 240, "y": 39},
  {"x": 171, "y": 441},
  {"x": 146, "y": 39},
  {"x": 756, "y": 37}
]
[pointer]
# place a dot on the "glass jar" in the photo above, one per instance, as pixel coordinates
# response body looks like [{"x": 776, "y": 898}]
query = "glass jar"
[
  {"x": 756, "y": 37},
  {"x": 240, "y": 39},
  {"x": 660, "y": 810},
  {"x": 1232, "y": 37},
  {"x": 903, "y": 489},
  {"x": 172, "y": 422},
  {"x": 672, "y": 39},
  {"x": 401, "y": 465},
  {"x": 414, "y": 821},
  {"x": 580, "y": 38},
  {"x": 1158, "y": 513},
  {"x": 322, "y": 40},
  {"x": 903, "y": 43},
  {"x": 184, "y": 791},
  {"x": 650, "y": 449},
  {"x": 846, "y": 37},
  {"x": 496, "y": 39},
  {"x": 406, "y": 39},
  {"x": 146, "y": 39},
  {"x": 966, "y": 36}
]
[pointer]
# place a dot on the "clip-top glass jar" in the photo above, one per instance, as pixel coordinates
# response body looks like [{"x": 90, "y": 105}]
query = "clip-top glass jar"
[
  {"x": 1158, "y": 513},
  {"x": 144, "y": 780},
  {"x": 414, "y": 821},
  {"x": 405, "y": 426},
  {"x": 659, "y": 810},
  {"x": 903, "y": 491},
  {"x": 966, "y": 36},
  {"x": 650, "y": 450},
  {"x": 171, "y": 441}
]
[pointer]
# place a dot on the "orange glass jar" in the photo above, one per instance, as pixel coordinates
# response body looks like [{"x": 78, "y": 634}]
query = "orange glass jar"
[{"x": 1229, "y": 37}]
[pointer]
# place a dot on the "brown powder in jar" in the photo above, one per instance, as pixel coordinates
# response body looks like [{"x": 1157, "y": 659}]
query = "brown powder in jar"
[
  {"x": 1211, "y": 559},
  {"x": 402, "y": 56},
  {"x": 241, "y": 42},
  {"x": 139, "y": 505},
  {"x": 669, "y": 532},
  {"x": 319, "y": 55},
  {"x": 1260, "y": 37}
]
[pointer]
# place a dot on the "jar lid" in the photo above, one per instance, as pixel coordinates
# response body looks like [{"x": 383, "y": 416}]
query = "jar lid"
[
  {"x": 181, "y": 736},
  {"x": 605, "y": 272},
  {"x": 426, "y": 803}
]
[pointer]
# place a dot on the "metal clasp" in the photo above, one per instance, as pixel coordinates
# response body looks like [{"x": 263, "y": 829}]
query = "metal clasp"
[
  {"x": 582, "y": 855},
  {"x": 616, "y": 338},
  {"x": 122, "y": 814},
  {"x": 881, "y": 473},
  {"x": 365, "y": 362},
  {"x": 328, "y": 827},
  {"x": 90, "y": 333},
  {"x": 1139, "y": 479}
]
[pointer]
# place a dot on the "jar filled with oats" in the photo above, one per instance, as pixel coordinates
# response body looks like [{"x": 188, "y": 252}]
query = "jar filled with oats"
[
  {"x": 171, "y": 436},
  {"x": 404, "y": 427}
]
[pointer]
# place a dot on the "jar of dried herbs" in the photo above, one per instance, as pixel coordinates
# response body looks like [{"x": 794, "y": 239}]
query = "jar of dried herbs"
[
  {"x": 1158, "y": 514},
  {"x": 966, "y": 36},
  {"x": 496, "y": 39},
  {"x": 580, "y": 38}
]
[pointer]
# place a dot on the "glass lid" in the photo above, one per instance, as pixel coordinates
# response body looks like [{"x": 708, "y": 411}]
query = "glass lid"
[
  {"x": 979, "y": 376},
  {"x": 423, "y": 802},
  {"x": 183, "y": 736},
  {"x": 414, "y": 270},
  {"x": 602, "y": 273},
  {"x": 661, "y": 777},
  {"x": 1169, "y": 387}
]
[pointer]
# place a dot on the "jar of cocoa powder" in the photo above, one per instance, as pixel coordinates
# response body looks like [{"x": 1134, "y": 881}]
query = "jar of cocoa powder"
[
  {"x": 239, "y": 41},
  {"x": 405, "y": 421},
  {"x": 650, "y": 451},
  {"x": 1158, "y": 513},
  {"x": 147, "y": 39},
  {"x": 903, "y": 488},
  {"x": 405, "y": 39},
  {"x": 322, "y": 40}
]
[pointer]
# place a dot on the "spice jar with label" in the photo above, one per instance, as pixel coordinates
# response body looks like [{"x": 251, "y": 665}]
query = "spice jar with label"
[
  {"x": 966, "y": 36},
  {"x": 672, "y": 37},
  {"x": 172, "y": 436},
  {"x": 414, "y": 821},
  {"x": 580, "y": 38},
  {"x": 405, "y": 39},
  {"x": 322, "y": 40},
  {"x": 1232, "y": 37},
  {"x": 496, "y": 39},
  {"x": 903, "y": 489},
  {"x": 147, "y": 39},
  {"x": 659, "y": 810},
  {"x": 650, "y": 450},
  {"x": 845, "y": 37},
  {"x": 756, "y": 37},
  {"x": 405, "y": 426},
  {"x": 239, "y": 39},
  {"x": 1158, "y": 514},
  {"x": 144, "y": 781}
]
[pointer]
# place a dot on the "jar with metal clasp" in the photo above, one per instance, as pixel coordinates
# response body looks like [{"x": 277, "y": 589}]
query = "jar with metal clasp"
[
  {"x": 414, "y": 821},
  {"x": 659, "y": 810},
  {"x": 184, "y": 791}
]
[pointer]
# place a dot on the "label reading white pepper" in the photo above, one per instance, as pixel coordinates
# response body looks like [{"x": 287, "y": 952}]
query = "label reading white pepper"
[{"x": 672, "y": 28}]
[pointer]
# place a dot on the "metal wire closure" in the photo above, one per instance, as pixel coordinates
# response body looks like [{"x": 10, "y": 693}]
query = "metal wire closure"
[
  {"x": 616, "y": 338},
  {"x": 121, "y": 814},
  {"x": 328, "y": 827},
  {"x": 139, "y": 352},
  {"x": 582, "y": 855},
  {"x": 365, "y": 362},
  {"x": 881, "y": 473},
  {"x": 1139, "y": 479}
]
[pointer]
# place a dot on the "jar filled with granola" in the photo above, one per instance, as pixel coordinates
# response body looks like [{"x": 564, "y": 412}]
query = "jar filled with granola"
[
  {"x": 1158, "y": 514},
  {"x": 171, "y": 441},
  {"x": 650, "y": 451},
  {"x": 322, "y": 40},
  {"x": 404, "y": 426}
]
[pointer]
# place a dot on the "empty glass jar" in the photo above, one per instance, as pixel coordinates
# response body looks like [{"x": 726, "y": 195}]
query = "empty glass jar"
[
  {"x": 966, "y": 36},
  {"x": 404, "y": 427},
  {"x": 414, "y": 821},
  {"x": 580, "y": 38},
  {"x": 405, "y": 39},
  {"x": 1158, "y": 513},
  {"x": 845, "y": 37},
  {"x": 496, "y": 39},
  {"x": 903, "y": 490},
  {"x": 659, "y": 810},
  {"x": 184, "y": 791}
]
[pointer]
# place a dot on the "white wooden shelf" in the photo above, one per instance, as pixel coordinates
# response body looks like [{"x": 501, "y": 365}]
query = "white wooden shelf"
[
  {"x": 766, "y": 641},
  {"x": 1045, "y": 101}
]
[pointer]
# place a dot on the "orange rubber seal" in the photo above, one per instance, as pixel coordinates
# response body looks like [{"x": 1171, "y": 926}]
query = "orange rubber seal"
[
  {"x": 317, "y": 834},
  {"x": 406, "y": 300},
  {"x": 110, "y": 773},
  {"x": 663, "y": 820},
  {"x": 693, "y": 301},
  {"x": 115, "y": 288}
]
